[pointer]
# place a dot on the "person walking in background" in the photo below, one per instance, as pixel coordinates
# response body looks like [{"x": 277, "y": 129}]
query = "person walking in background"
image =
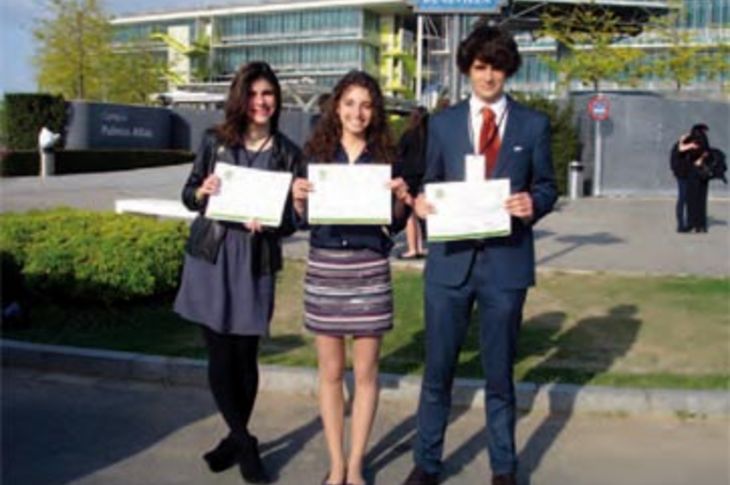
[
  {"x": 412, "y": 151},
  {"x": 681, "y": 166},
  {"x": 495, "y": 273},
  {"x": 693, "y": 155},
  {"x": 229, "y": 272},
  {"x": 347, "y": 290}
]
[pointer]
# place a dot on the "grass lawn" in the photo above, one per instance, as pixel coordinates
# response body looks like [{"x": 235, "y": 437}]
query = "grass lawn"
[{"x": 589, "y": 328}]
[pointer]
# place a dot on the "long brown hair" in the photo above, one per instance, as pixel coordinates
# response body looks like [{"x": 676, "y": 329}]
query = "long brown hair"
[
  {"x": 236, "y": 120},
  {"x": 323, "y": 143}
]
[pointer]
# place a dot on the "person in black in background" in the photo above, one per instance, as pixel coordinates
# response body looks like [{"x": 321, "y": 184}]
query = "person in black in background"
[
  {"x": 321, "y": 107},
  {"x": 694, "y": 160},
  {"x": 412, "y": 152},
  {"x": 680, "y": 165}
]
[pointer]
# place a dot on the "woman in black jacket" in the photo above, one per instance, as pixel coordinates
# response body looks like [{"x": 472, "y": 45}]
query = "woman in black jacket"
[{"x": 229, "y": 273}]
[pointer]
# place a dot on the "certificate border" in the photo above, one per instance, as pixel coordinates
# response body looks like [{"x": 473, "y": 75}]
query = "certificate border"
[
  {"x": 471, "y": 235},
  {"x": 348, "y": 221},
  {"x": 241, "y": 218}
]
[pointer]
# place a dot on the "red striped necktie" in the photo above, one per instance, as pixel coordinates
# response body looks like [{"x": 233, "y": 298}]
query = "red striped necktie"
[{"x": 489, "y": 141}]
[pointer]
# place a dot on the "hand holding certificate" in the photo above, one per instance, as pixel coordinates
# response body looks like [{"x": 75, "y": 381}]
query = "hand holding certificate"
[
  {"x": 248, "y": 194},
  {"x": 468, "y": 210},
  {"x": 349, "y": 194}
]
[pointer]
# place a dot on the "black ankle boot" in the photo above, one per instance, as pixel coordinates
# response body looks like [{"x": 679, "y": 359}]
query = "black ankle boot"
[
  {"x": 223, "y": 456},
  {"x": 250, "y": 464}
]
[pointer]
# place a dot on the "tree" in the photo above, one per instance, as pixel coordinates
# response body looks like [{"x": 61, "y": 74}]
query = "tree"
[
  {"x": 74, "y": 44},
  {"x": 198, "y": 52},
  {"x": 589, "y": 35},
  {"x": 134, "y": 76},
  {"x": 76, "y": 56},
  {"x": 679, "y": 58},
  {"x": 716, "y": 63}
]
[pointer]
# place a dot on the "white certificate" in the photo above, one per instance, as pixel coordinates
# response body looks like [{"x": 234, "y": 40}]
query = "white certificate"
[
  {"x": 468, "y": 210},
  {"x": 349, "y": 194},
  {"x": 247, "y": 193}
]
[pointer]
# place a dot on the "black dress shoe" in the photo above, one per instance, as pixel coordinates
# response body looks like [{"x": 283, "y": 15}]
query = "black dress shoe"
[
  {"x": 419, "y": 476},
  {"x": 223, "y": 456},
  {"x": 507, "y": 479},
  {"x": 250, "y": 464}
]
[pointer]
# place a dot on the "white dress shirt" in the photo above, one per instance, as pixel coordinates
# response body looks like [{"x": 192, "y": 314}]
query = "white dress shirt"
[{"x": 476, "y": 105}]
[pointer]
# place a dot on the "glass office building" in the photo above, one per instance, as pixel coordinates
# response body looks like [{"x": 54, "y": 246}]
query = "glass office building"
[
  {"x": 707, "y": 23},
  {"x": 317, "y": 41}
]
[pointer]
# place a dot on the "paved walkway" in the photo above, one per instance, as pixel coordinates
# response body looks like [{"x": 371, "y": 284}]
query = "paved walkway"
[
  {"x": 634, "y": 235},
  {"x": 60, "y": 429}
]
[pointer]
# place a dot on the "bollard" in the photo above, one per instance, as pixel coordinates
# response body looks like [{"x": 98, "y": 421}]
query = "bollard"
[
  {"x": 48, "y": 163},
  {"x": 575, "y": 180},
  {"x": 46, "y": 141}
]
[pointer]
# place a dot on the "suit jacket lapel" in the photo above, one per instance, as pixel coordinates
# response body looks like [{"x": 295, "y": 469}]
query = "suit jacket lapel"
[
  {"x": 462, "y": 143},
  {"x": 510, "y": 131},
  {"x": 461, "y": 125}
]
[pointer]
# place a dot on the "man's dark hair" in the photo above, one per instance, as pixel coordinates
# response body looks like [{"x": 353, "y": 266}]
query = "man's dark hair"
[{"x": 492, "y": 46}]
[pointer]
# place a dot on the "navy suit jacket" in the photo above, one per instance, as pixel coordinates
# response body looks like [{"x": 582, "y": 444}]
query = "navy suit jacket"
[{"x": 524, "y": 158}]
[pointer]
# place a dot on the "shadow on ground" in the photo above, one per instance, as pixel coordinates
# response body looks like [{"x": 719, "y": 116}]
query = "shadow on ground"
[
  {"x": 611, "y": 336},
  {"x": 58, "y": 444}
]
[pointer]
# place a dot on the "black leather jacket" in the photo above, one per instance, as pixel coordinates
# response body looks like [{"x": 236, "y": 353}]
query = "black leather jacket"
[{"x": 286, "y": 156}]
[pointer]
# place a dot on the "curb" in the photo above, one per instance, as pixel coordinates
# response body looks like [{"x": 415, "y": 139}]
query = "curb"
[{"x": 553, "y": 398}]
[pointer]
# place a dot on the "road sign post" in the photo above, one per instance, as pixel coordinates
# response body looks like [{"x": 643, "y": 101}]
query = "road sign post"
[{"x": 599, "y": 109}]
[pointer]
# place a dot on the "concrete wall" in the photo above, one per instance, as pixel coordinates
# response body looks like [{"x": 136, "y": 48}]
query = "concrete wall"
[
  {"x": 188, "y": 126},
  {"x": 103, "y": 125},
  {"x": 639, "y": 135}
]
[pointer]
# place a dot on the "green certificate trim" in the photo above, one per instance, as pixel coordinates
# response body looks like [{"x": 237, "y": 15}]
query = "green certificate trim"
[
  {"x": 472, "y": 235},
  {"x": 241, "y": 218},
  {"x": 334, "y": 221}
]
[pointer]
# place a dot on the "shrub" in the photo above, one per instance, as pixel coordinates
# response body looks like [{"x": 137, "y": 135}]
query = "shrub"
[
  {"x": 94, "y": 256},
  {"x": 25, "y": 113},
  {"x": 27, "y": 162},
  {"x": 565, "y": 141}
]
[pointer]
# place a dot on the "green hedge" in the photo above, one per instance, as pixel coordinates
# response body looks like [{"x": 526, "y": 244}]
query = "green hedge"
[
  {"x": 565, "y": 142},
  {"x": 85, "y": 255},
  {"x": 27, "y": 162},
  {"x": 24, "y": 114}
]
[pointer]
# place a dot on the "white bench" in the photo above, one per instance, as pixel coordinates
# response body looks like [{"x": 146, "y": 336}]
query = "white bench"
[{"x": 154, "y": 207}]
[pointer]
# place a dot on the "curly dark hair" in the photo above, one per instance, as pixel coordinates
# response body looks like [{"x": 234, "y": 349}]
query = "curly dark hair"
[
  {"x": 323, "y": 143},
  {"x": 236, "y": 121},
  {"x": 491, "y": 45}
]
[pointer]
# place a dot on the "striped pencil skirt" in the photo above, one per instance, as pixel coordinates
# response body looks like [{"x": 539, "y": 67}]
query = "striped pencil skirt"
[{"x": 347, "y": 292}]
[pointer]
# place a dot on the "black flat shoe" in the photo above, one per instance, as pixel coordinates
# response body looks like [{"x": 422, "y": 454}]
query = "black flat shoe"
[
  {"x": 408, "y": 257},
  {"x": 223, "y": 456},
  {"x": 249, "y": 462}
]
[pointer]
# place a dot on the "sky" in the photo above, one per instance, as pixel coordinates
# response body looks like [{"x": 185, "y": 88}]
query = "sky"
[{"x": 17, "y": 18}]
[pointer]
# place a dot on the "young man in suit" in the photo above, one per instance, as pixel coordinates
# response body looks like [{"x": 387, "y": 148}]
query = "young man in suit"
[{"x": 493, "y": 273}]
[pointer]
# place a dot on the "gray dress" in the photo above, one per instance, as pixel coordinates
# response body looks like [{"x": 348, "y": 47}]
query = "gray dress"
[{"x": 226, "y": 296}]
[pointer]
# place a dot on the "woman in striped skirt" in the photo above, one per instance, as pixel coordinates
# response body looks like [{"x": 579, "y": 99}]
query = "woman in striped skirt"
[{"x": 347, "y": 286}]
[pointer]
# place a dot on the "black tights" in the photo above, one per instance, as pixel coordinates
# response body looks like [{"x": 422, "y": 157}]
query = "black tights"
[{"x": 233, "y": 375}]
